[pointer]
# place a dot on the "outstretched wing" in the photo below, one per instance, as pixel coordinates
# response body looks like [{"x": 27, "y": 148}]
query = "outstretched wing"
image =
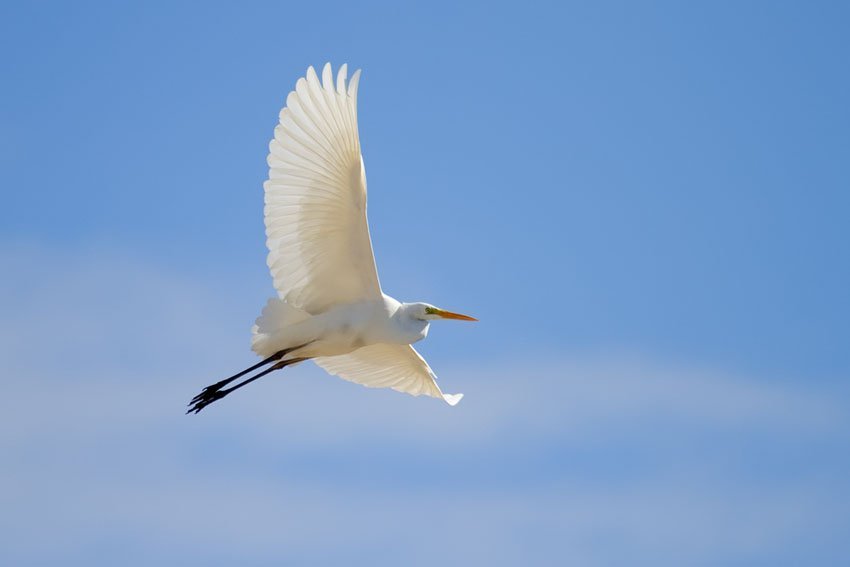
[
  {"x": 320, "y": 253},
  {"x": 398, "y": 367}
]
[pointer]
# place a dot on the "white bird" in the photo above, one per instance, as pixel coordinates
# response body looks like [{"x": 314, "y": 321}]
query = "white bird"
[{"x": 330, "y": 307}]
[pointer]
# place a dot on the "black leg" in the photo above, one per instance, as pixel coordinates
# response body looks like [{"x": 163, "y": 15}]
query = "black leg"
[
  {"x": 221, "y": 384},
  {"x": 213, "y": 388},
  {"x": 213, "y": 393}
]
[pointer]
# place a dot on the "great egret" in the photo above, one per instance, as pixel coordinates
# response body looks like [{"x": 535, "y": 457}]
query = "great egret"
[{"x": 330, "y": 307}]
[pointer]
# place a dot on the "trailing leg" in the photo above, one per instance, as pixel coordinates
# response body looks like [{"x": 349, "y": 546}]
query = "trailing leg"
[{"x": 215, "y": 391}]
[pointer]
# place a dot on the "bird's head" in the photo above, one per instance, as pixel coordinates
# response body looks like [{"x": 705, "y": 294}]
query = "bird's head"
[{"x": 428, "y": 312}]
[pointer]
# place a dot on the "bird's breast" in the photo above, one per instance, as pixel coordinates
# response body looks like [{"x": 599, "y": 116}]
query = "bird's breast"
[{"x": 349, "y": 327}]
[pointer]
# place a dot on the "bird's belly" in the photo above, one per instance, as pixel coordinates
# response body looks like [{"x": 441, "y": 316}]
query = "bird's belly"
[
  {"x": 350, "y": 327},
  {"x": 331, "y": 345},
  {"x": 342, "y": 332}
]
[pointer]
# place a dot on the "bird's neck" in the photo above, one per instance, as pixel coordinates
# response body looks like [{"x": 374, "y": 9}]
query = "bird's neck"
[{"x": 411, "y": 329}]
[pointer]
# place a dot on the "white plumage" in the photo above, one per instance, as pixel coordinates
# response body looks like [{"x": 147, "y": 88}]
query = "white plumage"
[
  {"x": 381, "y": 365},
  {"x": 320, "y": 254},
  {"x": 330, "y": 306}
]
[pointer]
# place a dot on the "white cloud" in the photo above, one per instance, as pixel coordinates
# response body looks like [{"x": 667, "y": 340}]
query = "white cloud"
[{"x": 589, "y": 460}]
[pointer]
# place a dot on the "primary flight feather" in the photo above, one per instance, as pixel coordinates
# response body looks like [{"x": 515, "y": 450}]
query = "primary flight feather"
[{"x": 330, "y": 307}]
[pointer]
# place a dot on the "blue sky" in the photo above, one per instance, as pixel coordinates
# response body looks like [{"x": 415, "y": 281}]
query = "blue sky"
[{"x": 645, "y": 204}]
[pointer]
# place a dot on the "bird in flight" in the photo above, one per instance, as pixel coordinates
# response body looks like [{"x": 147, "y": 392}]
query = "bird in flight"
[{"x": 330, "y": 307}]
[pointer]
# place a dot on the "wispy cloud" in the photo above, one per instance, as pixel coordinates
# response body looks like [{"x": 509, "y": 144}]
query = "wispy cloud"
[{"x": 570, "y": 459}]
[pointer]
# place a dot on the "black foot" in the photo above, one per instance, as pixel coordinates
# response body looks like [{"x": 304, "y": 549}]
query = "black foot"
[{"x": 205, "y": 398}]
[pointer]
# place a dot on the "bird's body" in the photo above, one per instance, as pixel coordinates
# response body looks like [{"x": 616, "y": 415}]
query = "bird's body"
[
  {"x": 330, "y": 307},
  {"x": 339, "y": 330}
]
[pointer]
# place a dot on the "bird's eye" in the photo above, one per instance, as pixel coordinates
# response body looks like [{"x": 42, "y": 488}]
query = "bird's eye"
[{"x": 430, "y": 310}]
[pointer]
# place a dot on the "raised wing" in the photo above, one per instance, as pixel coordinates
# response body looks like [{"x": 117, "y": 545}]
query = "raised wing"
[
  {"x": 398, "y": 367},
  {"x": 320, "y": 253}
]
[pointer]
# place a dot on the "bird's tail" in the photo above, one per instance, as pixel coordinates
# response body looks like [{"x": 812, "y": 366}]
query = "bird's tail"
[{"x": 277, "y": 316}]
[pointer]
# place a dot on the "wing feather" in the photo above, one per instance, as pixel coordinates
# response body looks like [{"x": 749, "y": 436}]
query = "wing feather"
[
  {"x": 398, "y": 367},
  {"x": 317, "y": 233}
]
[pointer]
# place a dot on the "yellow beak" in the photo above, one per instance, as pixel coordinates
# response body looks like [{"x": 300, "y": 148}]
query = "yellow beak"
[{"x": 450, "y": 315}]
